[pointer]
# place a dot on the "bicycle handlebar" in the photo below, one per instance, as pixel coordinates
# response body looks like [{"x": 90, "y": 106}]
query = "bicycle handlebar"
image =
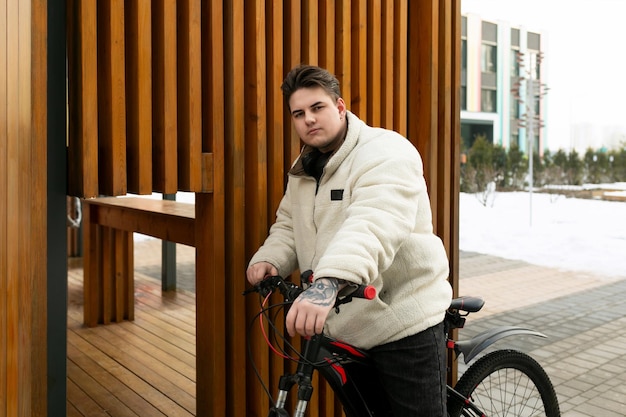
[{"x": 291, "y": 291}]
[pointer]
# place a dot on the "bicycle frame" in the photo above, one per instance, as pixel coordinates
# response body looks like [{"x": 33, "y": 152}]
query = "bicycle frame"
[{"x": 344, "y": 368}]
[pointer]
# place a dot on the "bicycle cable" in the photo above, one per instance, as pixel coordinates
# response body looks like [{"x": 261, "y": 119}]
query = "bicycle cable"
[
  {"x": 281, "y": 353},
  {"x": 279, "y": 336},
  {"x": 251, "y": 359}
]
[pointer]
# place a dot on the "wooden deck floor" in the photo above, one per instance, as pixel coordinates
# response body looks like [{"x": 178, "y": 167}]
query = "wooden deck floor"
[{"x": 142, "y": 368}]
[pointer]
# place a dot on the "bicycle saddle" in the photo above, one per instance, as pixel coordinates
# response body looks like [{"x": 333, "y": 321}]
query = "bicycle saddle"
[{"x": 469, "y": 304}]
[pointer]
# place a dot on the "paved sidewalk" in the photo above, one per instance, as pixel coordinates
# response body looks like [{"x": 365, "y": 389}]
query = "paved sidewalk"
[{"x": 582, "y": 314}]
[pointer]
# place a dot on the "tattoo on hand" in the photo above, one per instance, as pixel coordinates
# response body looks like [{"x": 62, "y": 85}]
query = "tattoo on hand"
[{"x": 322, "y": 292}]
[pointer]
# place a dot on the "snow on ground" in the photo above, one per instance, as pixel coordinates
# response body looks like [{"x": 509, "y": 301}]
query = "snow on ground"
[{"x": 566, "y": 233}]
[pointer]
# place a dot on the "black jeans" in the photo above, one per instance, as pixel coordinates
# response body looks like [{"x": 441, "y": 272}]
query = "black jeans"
[{"x": 413, "y": 373}]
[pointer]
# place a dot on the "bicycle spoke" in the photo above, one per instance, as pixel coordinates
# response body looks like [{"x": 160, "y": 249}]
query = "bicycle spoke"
[{"x": 508, "y": 392}]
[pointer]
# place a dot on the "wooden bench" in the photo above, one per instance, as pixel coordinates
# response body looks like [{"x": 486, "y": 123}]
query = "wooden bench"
[{"x": 109, "y": 224}]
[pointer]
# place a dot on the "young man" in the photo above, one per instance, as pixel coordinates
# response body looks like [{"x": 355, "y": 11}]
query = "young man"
[{"x": 356, "y": 210}]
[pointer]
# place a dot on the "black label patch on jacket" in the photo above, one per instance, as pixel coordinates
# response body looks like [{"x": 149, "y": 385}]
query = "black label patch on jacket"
[{"x": 336, "y": 195}]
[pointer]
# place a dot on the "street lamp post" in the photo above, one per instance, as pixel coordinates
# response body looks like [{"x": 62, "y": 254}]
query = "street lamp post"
[{"x": 534, "y": 92}]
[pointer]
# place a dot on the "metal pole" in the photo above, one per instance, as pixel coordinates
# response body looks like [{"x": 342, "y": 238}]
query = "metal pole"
[
  {"x": 168, "y": 258},
  {"x": 530, "y": 113}
]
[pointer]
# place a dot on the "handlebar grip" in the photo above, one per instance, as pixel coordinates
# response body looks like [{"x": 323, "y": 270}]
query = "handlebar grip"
[{"x": 364, "y": 291}]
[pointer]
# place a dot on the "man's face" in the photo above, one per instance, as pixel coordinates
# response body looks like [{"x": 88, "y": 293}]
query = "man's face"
[{"x": 318, "y": 119}]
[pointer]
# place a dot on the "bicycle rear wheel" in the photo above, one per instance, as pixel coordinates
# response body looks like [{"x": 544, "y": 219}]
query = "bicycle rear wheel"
[{"x": 506, "y": 383}]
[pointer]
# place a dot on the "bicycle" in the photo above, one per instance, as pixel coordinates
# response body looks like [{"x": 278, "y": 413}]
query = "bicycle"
[{"x": 501, "y": 383}]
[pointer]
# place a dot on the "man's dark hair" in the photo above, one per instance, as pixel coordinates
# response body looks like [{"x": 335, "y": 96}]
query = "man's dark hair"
[{"x": 310, "y": 76}]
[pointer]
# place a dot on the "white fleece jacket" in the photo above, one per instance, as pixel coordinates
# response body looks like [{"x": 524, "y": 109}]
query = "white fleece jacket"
[{"x": 370, "y": 223}]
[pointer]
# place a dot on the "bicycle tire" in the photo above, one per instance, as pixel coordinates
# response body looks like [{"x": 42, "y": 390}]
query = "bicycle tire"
[{"x": 506, "y": 383}]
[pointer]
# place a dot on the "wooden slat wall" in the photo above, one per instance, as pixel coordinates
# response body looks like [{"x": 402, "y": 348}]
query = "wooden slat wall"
[
  {"x": 136, "y": 95},
  {"x": 173, "y": 95},
  {"x": 23, "y": 150}
]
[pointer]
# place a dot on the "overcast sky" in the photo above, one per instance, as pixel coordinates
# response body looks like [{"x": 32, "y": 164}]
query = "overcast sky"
[{"x": 585, "y": 57}]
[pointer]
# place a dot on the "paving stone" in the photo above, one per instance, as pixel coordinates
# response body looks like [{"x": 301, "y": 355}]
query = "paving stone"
[{"x": 585, "y": 353}]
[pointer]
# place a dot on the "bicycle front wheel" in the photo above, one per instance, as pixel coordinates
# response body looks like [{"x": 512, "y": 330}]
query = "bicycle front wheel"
[{"x": 506, "y": 383}]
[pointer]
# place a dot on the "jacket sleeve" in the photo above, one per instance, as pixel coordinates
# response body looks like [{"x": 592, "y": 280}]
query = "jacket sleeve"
[{"x": 279, "y": 247}]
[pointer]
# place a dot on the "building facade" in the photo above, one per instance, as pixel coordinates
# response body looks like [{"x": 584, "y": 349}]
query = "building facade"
[{"x": 502, "y": 76}]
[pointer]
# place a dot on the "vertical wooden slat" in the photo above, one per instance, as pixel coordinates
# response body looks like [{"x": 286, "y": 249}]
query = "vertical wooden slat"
[
  {"x": 210, "y": 309},
  {"x": 387, "y": 65},
  {"x": 107, "y": 273},
  {"x": 210, "y": 250},
  {"x": 454, "y": 158},
  {"x": 13, "y": 212},
  {"x": 293, "y": 56},
  {"x": 374, "y": 64},
  {"x": 275, "y": 134},
  {"x": 38, "y": 208},
  {"x": 444, "y": 122},
  {"x": 24, "y": 219},
  {"x": 23, "y": 150},
  {"x": 122, "y": 296},
  {"x": 255, "y": 157},
  {"x": 213, "y": 89},
  {"x": 235, "y": 152},
  {"x": 83, "y": 93},
  {"x": 400, "y": 66},
  {"x": 4, "y": 237},
  {"x": 275, "y": 106},
  {"x": 210, "y": 240},
  {"x": 164, "y": 113},
  {"x": 189, "y": 95},
  {"x": 358, "y": 101},
  {"x": 128, "y": 288},
  {"x": 138, "y": 31},
  {"x": 111, "y": 98},
  {"x": 90, "y": 267},
  {"x": 309, "y": 28},
  {"x": 327, "y": 34},
  {"x": 423, "y": 86},
  {"x": 343, "y": 50},
  {"x": 118, "y": 275}
]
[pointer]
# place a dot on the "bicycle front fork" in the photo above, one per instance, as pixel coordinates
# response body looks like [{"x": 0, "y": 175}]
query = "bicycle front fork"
[
  {"x": 302, "y": 377},
  {"x": 305, "y": 390}
]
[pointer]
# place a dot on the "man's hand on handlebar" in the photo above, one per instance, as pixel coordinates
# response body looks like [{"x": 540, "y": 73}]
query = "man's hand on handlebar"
[
  {"x": 257, "y": 272},
  {"x": 309, "y": 311},
  {"x": 309, "y": 308}
]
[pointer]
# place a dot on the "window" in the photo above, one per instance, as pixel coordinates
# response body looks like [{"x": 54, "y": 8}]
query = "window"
[
  {"x": 516, "y": 59},
  {"x": 515, "y": 113},
  {"x": 488, "y": 100},
  {"x": 463, "y": 74},
  {"x": 489, "y": 53},
  {"x": 489, "y": 47},
  {"x": 535, "y": 64},
  {"x": 515, "y": 138},
  {"x": 463, "y": 97},
  {"x": 463, "y": 54}
]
